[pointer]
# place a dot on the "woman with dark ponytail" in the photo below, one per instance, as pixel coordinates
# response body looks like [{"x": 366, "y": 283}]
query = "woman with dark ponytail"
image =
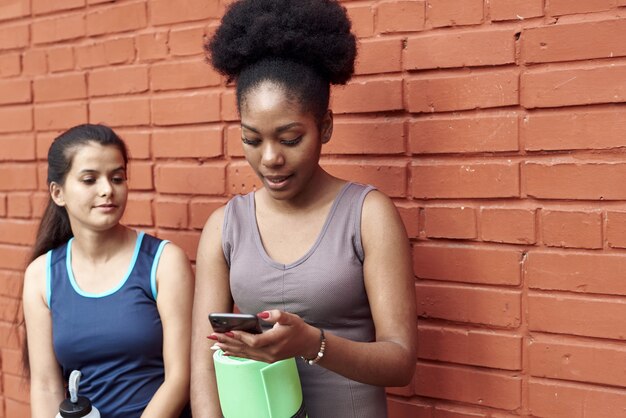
[
  {"x": 324, "y": 261},
  {"x": 90, "y": 291}
]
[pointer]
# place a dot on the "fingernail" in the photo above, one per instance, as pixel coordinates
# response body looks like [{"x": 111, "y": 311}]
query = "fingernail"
[
  {"x": 263, "y": 315},
  {"x": 229, "y": 334},
  {"x": 215, "y": 347},
  {"x": 212, "y": 337}
]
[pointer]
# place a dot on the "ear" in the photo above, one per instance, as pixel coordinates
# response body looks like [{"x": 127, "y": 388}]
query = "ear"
[
  {"x": 56, "y": 193},
  {"x": 326, "y": 130}
]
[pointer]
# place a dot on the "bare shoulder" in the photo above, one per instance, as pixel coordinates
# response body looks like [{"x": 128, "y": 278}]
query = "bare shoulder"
[
  {"x": 35, "y": 277},
  {"x": 378, "y": 210}
]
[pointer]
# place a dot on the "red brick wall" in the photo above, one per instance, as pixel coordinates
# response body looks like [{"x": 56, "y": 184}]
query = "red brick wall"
[{"x": 498, "y": 127}]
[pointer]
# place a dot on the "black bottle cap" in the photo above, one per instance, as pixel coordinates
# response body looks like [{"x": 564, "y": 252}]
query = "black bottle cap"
[{"x": 81, "y": 408}]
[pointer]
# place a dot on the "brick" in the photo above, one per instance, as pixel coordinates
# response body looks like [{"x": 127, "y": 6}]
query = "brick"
[
  {"x": 442, "y": 135},
  {"x": 470, "y": 264},
  {"x": 179, "y": 75},
  {"x": 470, "y": 347},
  {"x": 456, "y": 412},
  {"x": 186, "y": 41},
  {"x": 34, "y": 62},
  {"x": 18, "y": 232},
  {"x": 138, "y": 211},
  {"x": 46, "y": 6},
  {"x": 39, "y": 201},
  {"x": 201, "y": 208},
  {"x": 59, "y": 28},
  {"x": 367, "y": 96},
  {"x": 576, "y": 41},
  {"x": 137, "y": 142},
  {"x": 571, "y": 229},
  {"x": 462, "y": 49},
  {"x": 12, "y": 258},
  {"x": 515, "y": 9},
  {"x": 3, "y": 205},
  {"x": 229, "y": 109},
  {"x": 555, "y": 131},
  {"x": 12, "y": 287},
  {"x": 12, "y": 361},
  {"x": 60, "y": 116},
  {"x": 455, "y": 12},
  {"x": 574, "y": 401},
  {"x": 90, "y": 55},
  {"x": 42, "y": 177},
  {"x": 568, "y": 359},
  {"x": 369, "y": 60},
  {"x": 14, "y": 36},
  {"x": 15, "y": 91},
  {"x": 576, "y": 272},
  {"x": 15, "y": 408},
  {"x": 470, "y": 386},
  {"x": 481, "y": 180},
  {"x": 16, "y": 119},
  {"x": 234, "y": 147},
  {"x": 404, "y": 408},
  {"x": 410, "y": 215},
  {"x": 119, "y": 51},
  {"x": 496, "y": 308},
  {"x": 185, "y": 109},
  {"x": 15, "y": 388},
  {"x": 205, "y": 179},
  {"x": 152, "y": 46},
  {"x": 19, "y": 206},
  {"x": 360, "y": 136},
  {"x": 10, "y": 64},
  {"x": 590, "y": 181},
  {"x": 616, "y": 229},
  {"x": 118, "y": 18},
  {"x": 19, "y": 147},
  {"x": 188, "y": 143},
  {"x": 60, "y": 59},
  {"x": 118, "y": 81},
  {"x": 389, "y": 177},
  {"x": 577, "y": 315},
  {"x": 462, "y": 92},
  {"x": 140, "y": 175},
  {"x": 574, "y": 86},
  {"x": 362, "y": 18},
  {"x": 171, "y": 212},
  {"x": 15, "y": 9},
  {"x": 187, "y": 240},
  {"x": 405, "y": 391},
  {"x": 241, "y": 179},
  {"x": 565, "y": 7},
  {"x": 511, "y": 226},
  {"x": 164, "y": 12},
  {"x": 60, "y": 87},
  {"x": 400, "y": 16},
  {"x": 10, "y": 336},
  {"x": 450, "y": 222},
  {"x": 120, "y": 112}
]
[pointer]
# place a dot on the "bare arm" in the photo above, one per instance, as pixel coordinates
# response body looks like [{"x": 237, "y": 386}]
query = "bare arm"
[
  {"x": 389, "y": 282},
  {"x": 212, "y": 294},
  {"x": 175, "y": 297},
  {"x": 46, "y": 380}
]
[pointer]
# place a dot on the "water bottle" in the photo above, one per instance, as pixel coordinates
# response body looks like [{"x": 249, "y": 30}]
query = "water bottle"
[{"x": 76, "y": 406}]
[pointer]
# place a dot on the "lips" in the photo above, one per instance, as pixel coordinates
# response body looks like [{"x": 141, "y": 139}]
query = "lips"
[{"x": 277, "y": 182}]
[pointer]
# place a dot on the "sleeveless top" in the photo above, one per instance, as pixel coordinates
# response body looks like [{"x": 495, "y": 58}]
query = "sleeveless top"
[
  {"x": 324, "y": 287},
  {"x": 114, "y": 338}
]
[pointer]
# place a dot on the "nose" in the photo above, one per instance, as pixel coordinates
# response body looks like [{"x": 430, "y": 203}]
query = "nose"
[
  {"x": 272, "y": 155},
  {"x": 105, "y": 188}
]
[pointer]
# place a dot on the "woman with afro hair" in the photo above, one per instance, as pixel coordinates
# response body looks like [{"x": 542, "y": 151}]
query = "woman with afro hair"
[{"x": 325, "y": 262}]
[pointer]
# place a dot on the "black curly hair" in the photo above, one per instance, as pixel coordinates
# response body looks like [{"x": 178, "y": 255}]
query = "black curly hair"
[{"x": 302, "y": 45}]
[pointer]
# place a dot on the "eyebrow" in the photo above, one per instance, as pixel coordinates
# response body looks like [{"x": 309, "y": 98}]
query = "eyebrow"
[{"x": 278, "y": 130}]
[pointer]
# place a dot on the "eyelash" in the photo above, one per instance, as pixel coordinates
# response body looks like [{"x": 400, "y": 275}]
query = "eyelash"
[
  {"x": 254, "y": 142},
  {"x": 116, "y": 180}
]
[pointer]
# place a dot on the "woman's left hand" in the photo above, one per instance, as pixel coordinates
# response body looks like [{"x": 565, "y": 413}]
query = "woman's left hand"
[{"x": 289, "y": 337}]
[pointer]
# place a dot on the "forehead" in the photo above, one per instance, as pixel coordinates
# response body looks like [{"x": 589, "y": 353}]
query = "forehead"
[
  {"x": 269, "y": 100},
  {"x": 93, "y": 156}
]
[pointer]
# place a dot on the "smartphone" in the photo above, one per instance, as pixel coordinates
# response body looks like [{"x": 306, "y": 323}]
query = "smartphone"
[{"x": 224, "y": 322}]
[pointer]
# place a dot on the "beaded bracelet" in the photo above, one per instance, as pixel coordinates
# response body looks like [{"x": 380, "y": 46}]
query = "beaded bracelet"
[{"x": 320, "y": 353}]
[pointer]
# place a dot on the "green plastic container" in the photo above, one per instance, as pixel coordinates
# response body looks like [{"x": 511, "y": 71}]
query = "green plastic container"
[{"x": 254, "y": 389}]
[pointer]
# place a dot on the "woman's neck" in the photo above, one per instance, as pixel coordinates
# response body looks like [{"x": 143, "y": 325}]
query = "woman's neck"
[{"x": 100, "y": 246}]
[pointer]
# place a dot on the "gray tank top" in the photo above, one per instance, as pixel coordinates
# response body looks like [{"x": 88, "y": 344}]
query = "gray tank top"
[{"x": 325, "y": 287}]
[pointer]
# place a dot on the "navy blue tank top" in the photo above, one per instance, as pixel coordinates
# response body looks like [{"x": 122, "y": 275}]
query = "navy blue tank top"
[{"x": 114, "y": 338}]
